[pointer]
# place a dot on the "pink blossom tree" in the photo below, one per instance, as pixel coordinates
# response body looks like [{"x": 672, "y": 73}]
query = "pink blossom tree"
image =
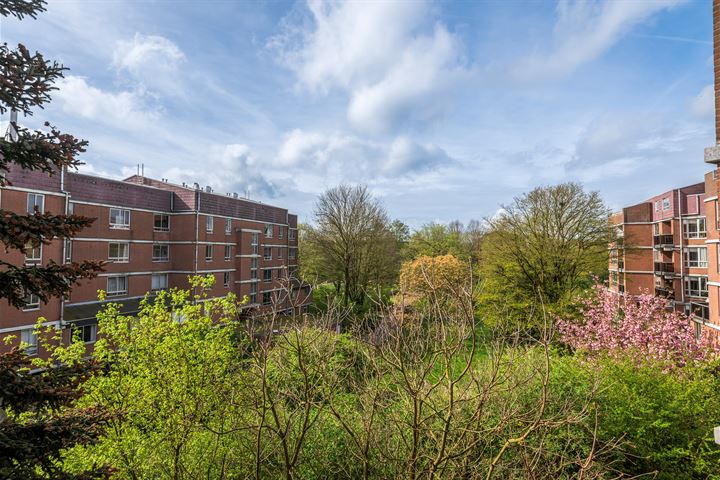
[{"x": 642, "y": 325}]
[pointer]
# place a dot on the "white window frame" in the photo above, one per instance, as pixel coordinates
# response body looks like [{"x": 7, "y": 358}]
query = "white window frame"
[
  {"x": 292, "y": 253},
  {"x": 280, "y": 253},
  {"x": 153, "y": 286},
  {"x": 123, "y": 213},
  {"x": 697, "y": 223},
  {"x": 157, "y": 258},
  {"x": 228, "y": 253},
  {"x": 93, "y": 333},
  {"x": 209, "y": 250},
  {"x": 281, "y": 232},
  {"x": 115, "y": 293},
  {"x": 35, "y": 256},
  {"x": 657, "y": 205},
  {"x": 29, "y": 340},
  {"x": 118, "y": 258},
  {"x": 228, "y": 226},
  {"x": 265, "y": 253},
  {"x": 269, "y": 230},
  {"x": 700, "y": 260},
  {"x": 254, "y": 244},
  {"x": 32, "y": 302},
  {"x": 226, "y": 279},
  {"x": 163, "y": 216},
  {"x": 292, "y": 233},
  {"x": 267, "y": 278},
  {"x": 32, "y": 202},
  {"x": 209, "y": 224},
  {"x": 666, "y": 204},
  {"x": 695, "y": 292}
]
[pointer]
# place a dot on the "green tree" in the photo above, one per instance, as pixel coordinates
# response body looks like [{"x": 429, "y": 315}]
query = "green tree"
[
  {"x": 352, "y": 243},
  {"x": 545, "y": 247}
]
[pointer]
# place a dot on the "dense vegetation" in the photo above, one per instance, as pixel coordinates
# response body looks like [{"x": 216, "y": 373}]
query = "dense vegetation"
[{"x": 419, "y": 391}]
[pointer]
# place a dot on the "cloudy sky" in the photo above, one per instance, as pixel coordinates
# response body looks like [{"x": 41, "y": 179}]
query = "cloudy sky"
[{"x": 445, "y": 110}]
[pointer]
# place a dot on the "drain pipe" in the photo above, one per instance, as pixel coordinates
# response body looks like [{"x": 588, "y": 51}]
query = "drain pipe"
[{"x": 682, "y": 256}]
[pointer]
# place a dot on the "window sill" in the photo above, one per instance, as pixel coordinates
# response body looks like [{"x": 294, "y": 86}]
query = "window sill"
[
  {"x": 160, "y": 260},
  {"x": 119, "y": 227},
  {"x": 31, "y": 309},
  {"x": 161, "y": 230}
]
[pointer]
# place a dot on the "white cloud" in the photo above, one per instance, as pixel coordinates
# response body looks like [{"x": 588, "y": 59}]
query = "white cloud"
[
  {"x": 146, "y": 52},
  {"x": 396, "y": 65},
  {"x": 125, "y": 109},
  {"x": 236, "y": 170},
  {"x": 585, "y": 29},
  {"x": 703, "y": 105},
  {"x": 354, "y": 159}
]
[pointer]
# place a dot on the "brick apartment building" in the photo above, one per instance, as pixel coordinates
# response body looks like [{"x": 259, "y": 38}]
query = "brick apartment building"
[
  {"x": 154, "y": 235},
  {"x": 661, "y": 249},
  {"x": 670, "y": 244}
]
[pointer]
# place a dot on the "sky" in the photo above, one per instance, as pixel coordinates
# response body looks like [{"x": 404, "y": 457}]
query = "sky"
[{"x": 445, "y": 110}]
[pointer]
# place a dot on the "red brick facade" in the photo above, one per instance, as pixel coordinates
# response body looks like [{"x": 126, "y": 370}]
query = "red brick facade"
[
  {"x": 154, "y": 235},
  {"x": 662, "y": 248}
]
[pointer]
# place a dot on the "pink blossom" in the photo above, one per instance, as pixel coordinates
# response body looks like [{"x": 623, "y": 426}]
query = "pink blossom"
[{"x": 644, "y": 325}]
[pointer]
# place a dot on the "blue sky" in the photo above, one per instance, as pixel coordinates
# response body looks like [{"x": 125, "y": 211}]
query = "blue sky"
[{"x": 445, "y": 110}]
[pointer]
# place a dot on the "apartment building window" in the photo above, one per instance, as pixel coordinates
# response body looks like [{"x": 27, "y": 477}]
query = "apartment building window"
[
  {"x": 666, "y": 203},
  {"x": 117, "y": 285},
  {"x": 696, "y": 257},
  {"x": 33, "y": 255},
  {"x": 696, "y": 286},
  {"x": 226, "y": 279},
  {"x": 717, "y": 215},
  {"x": 254, "y": 244},
  {"x": 267, "y": 275},
  {"x": 228, "y": 252},
  {"x": 694, "y": 228},
  {"x": 29, "y": 340},
  {"x": 253, "y": 268},
  {"x": 291, "y": 234},
  {"x": 86, "y": 333},
  {"x": 228, "y": 226},
  {"x": 68, "y": 250},
  {"x": 159, "y": 281},
  {"x": 657, "y": 205},
  {"x": 162, "y": 223},
  {"x": 281, "y": 232},
  {"x": 267, "y": 298},
  {"x": 280, "y": 253},
  {"x": 35, "y": 200},
  {"x": 119, "y": 252},
  {"x": 31, "y": 302},
  {"x": 209, "y": 224},
  {"x": 208, "y": 252},
  {"x": 161, "y": 252},
  {"x": 253, "y": 293},
  {"x": 292, "y": 253},
  {"x": 268, "y": 231},
  {"x": 656, "y": 229},
  {"x": 119, "y": 218},
  {"x": 267, "y": 253}
]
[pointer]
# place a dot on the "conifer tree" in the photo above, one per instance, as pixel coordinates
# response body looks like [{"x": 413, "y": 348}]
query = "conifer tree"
[{"x": 38, "y": 418}]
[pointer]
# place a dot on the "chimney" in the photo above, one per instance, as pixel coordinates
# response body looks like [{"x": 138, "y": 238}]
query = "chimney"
[
  {"x": 196, "y": 185},
  {"x": 208, "y": 189},
  {"x": 235, "y": 195},
  {"x": 712, "y": 154}
]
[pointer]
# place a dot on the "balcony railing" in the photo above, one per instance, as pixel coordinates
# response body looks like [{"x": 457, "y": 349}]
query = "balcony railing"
[
  {"x": 665, "y": 292},
  {"x": 663, "y": 241},
  {"x": 664, "y": 267}
]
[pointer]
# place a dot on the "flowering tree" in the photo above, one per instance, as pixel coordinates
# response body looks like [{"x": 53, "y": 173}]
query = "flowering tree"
[{"x": 643, "y": 324}]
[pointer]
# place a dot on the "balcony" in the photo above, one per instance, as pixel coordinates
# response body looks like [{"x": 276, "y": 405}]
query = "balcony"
[
  {"x": 663, "y": 241},
  {"x": 662, "y": 268},
  {"x": 665, "y": 292}
]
